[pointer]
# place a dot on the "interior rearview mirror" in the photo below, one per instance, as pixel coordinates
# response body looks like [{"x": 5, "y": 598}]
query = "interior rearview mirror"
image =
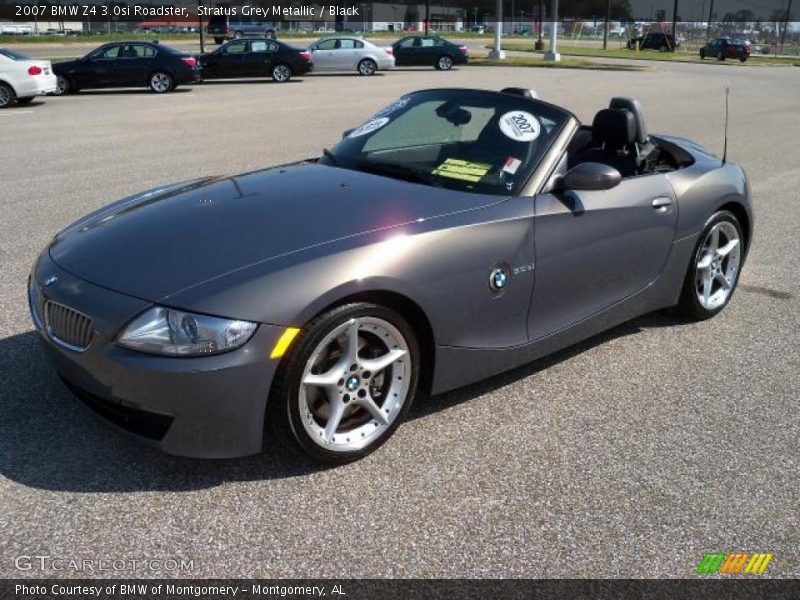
[{"x": 590, "y": 176}]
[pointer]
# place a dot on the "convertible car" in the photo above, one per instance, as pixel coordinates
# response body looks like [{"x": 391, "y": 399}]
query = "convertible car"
[{"x": 455, "y": 234}]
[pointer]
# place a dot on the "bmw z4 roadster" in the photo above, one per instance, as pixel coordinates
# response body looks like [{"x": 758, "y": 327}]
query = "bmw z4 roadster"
[{"x": 456, "y": 234}]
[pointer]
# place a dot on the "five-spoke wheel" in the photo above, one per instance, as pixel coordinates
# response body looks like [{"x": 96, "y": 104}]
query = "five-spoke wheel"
[
  {"x": 349, "y": 382},
  {"x": 714, "y": 272}
]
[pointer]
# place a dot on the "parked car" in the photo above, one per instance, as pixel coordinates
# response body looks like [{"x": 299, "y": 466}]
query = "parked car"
[
  {"x": 433, "y": 50},
  {"x": 22, "y": 78},
  {"x": 312, "y": 301},
  {"x": 223, "y": 28},
  {"x": 255, "y": 58},
  {"x": 128, "y": 64},
  {"x": 663, "y": 42},
  {"x": 722, "y": 48},
  {"x": 344, "y": 53}
]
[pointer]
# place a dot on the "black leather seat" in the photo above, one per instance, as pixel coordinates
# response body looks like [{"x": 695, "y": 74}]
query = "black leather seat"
[{"x": 613, "y": 141}]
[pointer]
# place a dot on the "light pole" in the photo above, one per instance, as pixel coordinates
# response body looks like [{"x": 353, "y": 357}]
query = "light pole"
[
  {"x": 553, "y": 54},
  {"x": 202, "y": 35},
  {"x": 497, "y": 52}
]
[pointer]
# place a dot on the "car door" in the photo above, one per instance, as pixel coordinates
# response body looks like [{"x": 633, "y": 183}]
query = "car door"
[
  {"x": 258, "y": 60},
  {"x": 135, "y": 63},
  {"x": 347, "y": 54},
  {"x": 324, "y": 55},
  {"x": 231, "y": 60},
  {"x": 100, "y": 69},
  {"x": 427, "y": 51},
  {"x": 404, "y": 51},
  {"x": 596, "y": 248}
]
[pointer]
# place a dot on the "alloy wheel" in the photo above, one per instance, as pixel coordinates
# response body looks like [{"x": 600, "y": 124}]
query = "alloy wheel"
[
  {"x": 355, "y": 384},
  {"x": 281, "y": 73},
  {"x": 445, "y": 63},
  {"x": 5, "y": 96},
  {"x": 718, "y": 265},
  {"x": 62, "y": 85},
  {"x": 366, "y": 67},
  {"x": 160, "y": 82}
]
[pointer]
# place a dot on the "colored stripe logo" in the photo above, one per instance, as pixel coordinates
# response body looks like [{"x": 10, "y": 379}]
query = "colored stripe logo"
[{"x": 734, "y": 564}]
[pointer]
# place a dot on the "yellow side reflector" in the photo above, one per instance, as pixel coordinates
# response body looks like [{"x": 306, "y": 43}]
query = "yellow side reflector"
[{"x": 284, "y": 341}]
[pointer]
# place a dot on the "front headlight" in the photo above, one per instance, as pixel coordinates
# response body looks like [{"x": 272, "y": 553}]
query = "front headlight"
[{"x": 176, "y": 333}]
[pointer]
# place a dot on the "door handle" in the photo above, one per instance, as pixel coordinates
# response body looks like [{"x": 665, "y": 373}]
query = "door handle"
[{"x": 661, "y": 204}]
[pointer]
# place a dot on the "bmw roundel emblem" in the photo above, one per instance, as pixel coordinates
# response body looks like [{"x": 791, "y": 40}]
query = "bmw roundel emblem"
[
  {"x": 498, "y": 279},
  {"x": 50, "y": 281}
]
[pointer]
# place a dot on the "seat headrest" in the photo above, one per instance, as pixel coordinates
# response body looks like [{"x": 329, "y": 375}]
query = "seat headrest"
[
  {"x": 615, "y": 127},
  {"x": 638, "y": 115}
]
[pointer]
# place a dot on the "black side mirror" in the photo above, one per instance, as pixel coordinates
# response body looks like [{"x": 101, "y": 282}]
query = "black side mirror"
[{"x": 590, "y": 176}]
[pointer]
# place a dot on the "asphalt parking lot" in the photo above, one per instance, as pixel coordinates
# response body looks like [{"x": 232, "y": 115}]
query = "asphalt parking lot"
[{"x": 630, "y": 455}]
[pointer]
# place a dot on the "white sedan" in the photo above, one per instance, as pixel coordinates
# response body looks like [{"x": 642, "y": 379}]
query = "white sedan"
[
  {"x": 22, "y": 78},
  {"x": 343, "y": 53}
]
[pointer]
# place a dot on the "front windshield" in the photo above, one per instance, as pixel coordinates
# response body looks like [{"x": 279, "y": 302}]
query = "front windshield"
[{"x": 485, "y": 142}]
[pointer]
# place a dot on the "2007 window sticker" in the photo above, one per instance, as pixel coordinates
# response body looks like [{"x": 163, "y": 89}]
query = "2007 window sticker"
[
  {"x": 520, "y": 126},
  {"x": 369, "y": 127}
]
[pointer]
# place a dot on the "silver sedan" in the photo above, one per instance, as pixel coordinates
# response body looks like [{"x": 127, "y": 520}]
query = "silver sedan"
[{"x": 343, "y": 53}]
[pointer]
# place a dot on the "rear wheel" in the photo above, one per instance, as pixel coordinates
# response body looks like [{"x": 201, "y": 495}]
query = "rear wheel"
[
  {"x": 742, "y": 59},
  {"x": 281, "y": 73},
  {"x": 161, "y": 82},
  {"x": 444, "y": 63},
  {"x": 347, "y": 384},
  {"x": 367, "y": 67},
  {"x": 714, "y": 271},
  {"x": 7, "y": 95}
]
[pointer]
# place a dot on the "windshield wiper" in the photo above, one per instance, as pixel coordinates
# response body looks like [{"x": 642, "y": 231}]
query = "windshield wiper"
[{"x": 401, "y": 171}]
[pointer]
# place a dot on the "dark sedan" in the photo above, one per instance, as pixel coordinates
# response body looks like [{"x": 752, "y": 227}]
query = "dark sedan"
[
  {"x": 256, "y": 58},
  {"x": 128, "y": 64},
  {"x": 429, "y": 50},
  {"x": 722, "y": 48}
]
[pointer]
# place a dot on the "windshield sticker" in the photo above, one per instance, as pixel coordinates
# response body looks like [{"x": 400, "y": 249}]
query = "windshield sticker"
[
  {"x": 462, "y": 169},
  {"x": 369, "y": 127},
  {"x": 393, "y": 107},
  {"x": 520, "y": 126},
  {"x": 511, "y": 165}
]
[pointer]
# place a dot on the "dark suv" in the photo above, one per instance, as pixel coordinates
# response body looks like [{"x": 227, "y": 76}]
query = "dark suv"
[
  {"x": 223, "y": 28},
  {"x": 722, "y": 48},
  {"x": 663, "y": 42}
]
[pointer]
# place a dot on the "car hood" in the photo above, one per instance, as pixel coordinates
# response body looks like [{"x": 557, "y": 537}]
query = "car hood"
[{"x": 160, "y": 242}]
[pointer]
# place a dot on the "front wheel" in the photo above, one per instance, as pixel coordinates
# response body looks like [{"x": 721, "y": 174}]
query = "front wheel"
[
  {"x": 161, "y": 82},
  {"x": 7, "y": 96},
  {"x": 444, "y": 63},
  {"x": 367, "y": 67},
  {"x": 348, "y": 382},
  {"x": 742, "y": 59},
  {"x": 63, "y": 86},
  {"x": 281, "y": 73},
  {"x": 714, "y": 271},
  {"x": 702, "y": 54}
]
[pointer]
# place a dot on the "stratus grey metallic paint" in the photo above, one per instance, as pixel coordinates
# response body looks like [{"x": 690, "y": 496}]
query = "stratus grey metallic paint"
[{"x": 279, "y": 246}]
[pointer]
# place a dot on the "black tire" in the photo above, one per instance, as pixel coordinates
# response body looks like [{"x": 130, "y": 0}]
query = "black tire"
[
  {"x": 742, "y": 59},
  {"x": 367, "y": 67},
  {"x": 161, "y": 82},
  {"x": 443, "y": 63},
  {"x": 689, "y": 305},
  {"x": 284, "y": 419},
  {"x": 702, "y": 54},
  {"x": 8, "y": 97},
  {"x": 26, "y": 100},
  {"x": 281, "y": 73},
  {"x": 64, "y": 86},
  {"x": 663, "y": 49},
  {"x": 219, "y": 40}
]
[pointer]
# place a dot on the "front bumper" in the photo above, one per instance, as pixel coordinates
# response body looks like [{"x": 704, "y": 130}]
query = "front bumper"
[{"x": 202, "y": 407}]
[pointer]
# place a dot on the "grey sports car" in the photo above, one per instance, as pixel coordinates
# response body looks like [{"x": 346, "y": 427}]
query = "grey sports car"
[{"x": 456, "y": 234}]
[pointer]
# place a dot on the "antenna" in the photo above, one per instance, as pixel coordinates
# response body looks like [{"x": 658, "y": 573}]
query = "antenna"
[{"x": 725, "y": 145}]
